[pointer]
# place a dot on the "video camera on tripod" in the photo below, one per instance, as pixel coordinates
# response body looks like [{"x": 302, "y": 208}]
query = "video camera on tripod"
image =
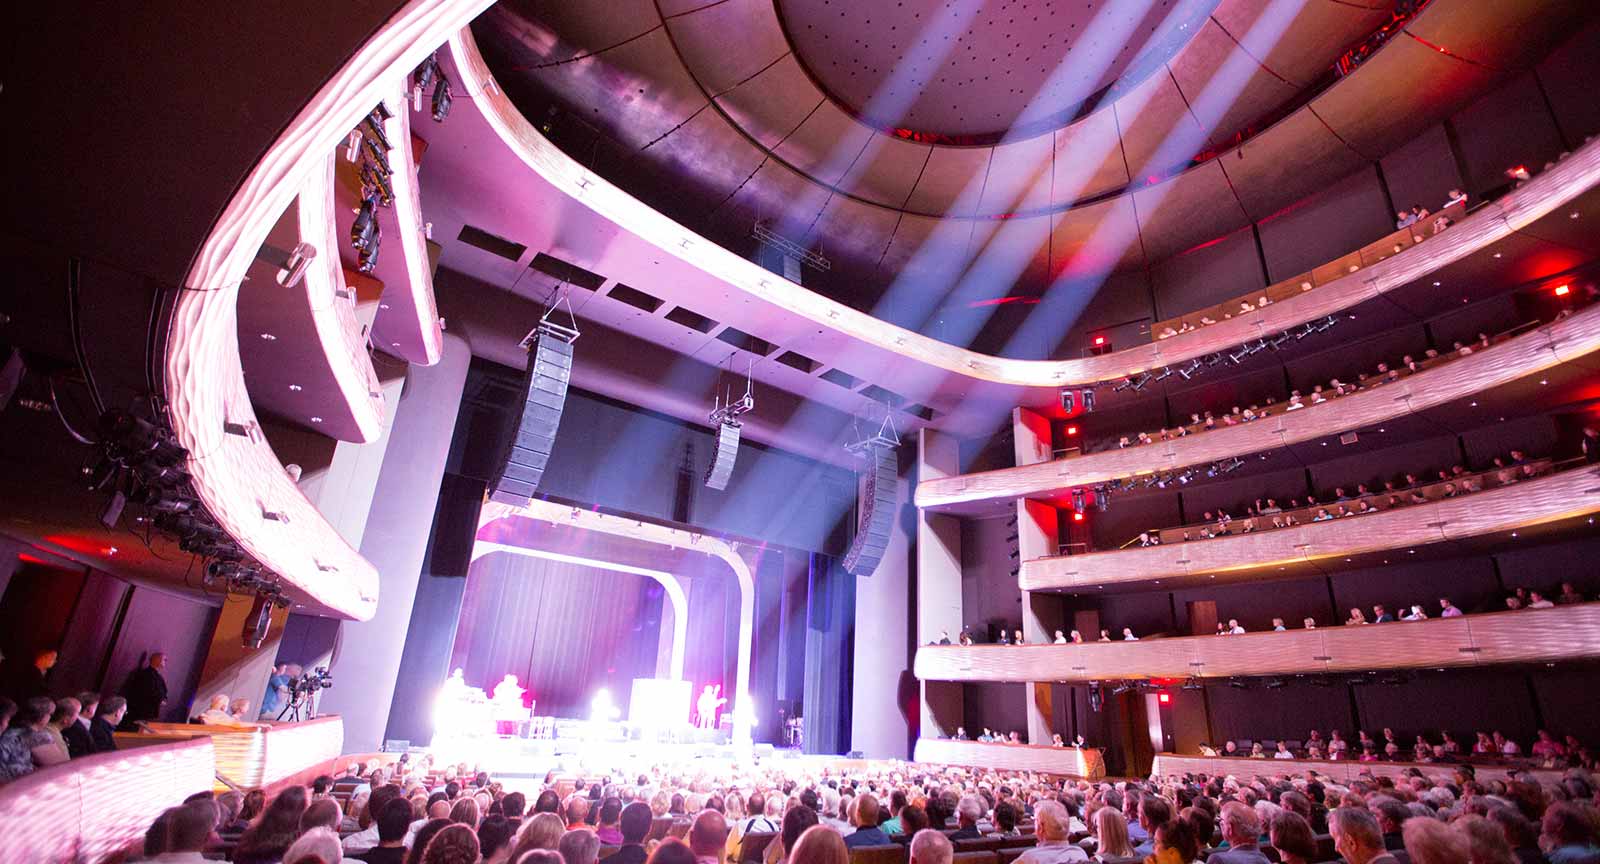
[{"x": 302, "y": 695}]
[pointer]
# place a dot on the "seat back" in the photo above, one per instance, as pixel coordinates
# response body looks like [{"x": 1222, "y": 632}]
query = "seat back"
[
  {"x": 981, "y": 844},
  {"x": 754, "y": 845},
  {"x": 892, "y": 853},
  {"x": 988, "y": 857}
]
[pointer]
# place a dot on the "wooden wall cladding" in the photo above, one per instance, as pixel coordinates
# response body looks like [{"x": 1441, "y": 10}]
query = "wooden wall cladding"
[
  {"x": 1066, "y": 761},
  {"x": 1172, "y": 764},
  {"x": 1522, "y": 505},
  {"x": 1535, "y": 351},
  {"x": 1528, "y": 635}
]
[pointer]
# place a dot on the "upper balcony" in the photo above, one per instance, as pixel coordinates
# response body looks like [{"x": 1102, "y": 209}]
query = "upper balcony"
[
  {"x": 1518, "y": 357},
  {"x": 1523, "y": 636}
]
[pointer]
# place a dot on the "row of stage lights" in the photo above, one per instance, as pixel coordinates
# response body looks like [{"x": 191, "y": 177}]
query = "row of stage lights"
[
  {"x": 1163, "y": 692},
  {"x": 142, "y": 464},
  {"x": 1236, "y": 356},
  {"x": 370, "y": 145}
]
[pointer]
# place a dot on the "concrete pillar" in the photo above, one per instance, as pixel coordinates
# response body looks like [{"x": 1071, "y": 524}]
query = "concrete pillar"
[
  {"x": 883, "y": 645},
  {"x": 938, "y": 582},
  {"x": 1038, "y": 533},
  {"x": 395, "y": 540}
]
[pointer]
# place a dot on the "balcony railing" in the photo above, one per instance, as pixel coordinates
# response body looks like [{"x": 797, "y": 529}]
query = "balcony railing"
[
  {"x": 1563, "y": 495},
  {"x": 1522, "y": 636}
]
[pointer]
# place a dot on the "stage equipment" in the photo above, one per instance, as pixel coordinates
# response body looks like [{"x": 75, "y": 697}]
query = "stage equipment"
[
  {"x": 1069, "y": 401},
  {"x": 257, "y": 622},
  {"x": 659, "y": 703},
  {"x": 303, "y": 691},
  {"x": 549, "y": 370},
  {"x": 725, "y": 413},
  {"x": 1349, "y": 438},
  {"x": 1088, "y": 401},
  {"x": 441, "y": 99},
  {"x": 1190, "y": 370},
  {"x": 876, "y": 502},
  {"x": 1102, "y": 499},
  {"x": 1079, "y": 500}
]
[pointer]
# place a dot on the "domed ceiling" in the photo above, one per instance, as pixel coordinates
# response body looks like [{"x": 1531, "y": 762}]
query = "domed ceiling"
[{"x": 946, "y": 155}]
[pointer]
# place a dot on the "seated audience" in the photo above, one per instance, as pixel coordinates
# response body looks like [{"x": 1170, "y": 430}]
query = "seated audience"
[
  {"x": 392, "y": 823},
  {"x": 317, "y": 846},
  {"x": 102, "y": 728},
  {"x": 1357, "y": 838},
  {"x": 1053, "y": 825}
]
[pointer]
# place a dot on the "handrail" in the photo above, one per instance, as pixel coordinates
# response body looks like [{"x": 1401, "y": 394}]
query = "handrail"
[
  {"x": 1548, "y": 346},
  {"x": 1565, "y": 494},
  {"x": 1484, "y": 639}
]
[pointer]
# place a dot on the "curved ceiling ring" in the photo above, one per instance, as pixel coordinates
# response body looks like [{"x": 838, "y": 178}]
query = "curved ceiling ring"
[
  {"x": 1489, "y": 224},
  {"x": 712, "y": 100}
]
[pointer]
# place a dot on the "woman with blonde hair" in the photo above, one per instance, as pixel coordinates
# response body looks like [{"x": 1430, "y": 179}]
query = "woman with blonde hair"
[
  {"x": 465, "y": 812},
  {"x": 819, "y": 845},
  {"x": 543, "y": 831},
  {"x": 1111, "y": 834}
]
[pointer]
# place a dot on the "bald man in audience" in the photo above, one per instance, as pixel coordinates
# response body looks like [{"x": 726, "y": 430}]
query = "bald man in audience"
[
  {"x": 708, "y": 837},
  {"x": 864, "y": 816},
  {"x": 579, "y": 846},
  {"x": 1053, "y": 825},
  {"x": 1241, "y": 827},
  {"x": 930, "y": 846}
]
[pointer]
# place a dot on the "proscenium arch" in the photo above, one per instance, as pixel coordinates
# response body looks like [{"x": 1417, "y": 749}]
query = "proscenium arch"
[
  {"x": 674, "y": 588},
  {"x": 661, "y": 535}
]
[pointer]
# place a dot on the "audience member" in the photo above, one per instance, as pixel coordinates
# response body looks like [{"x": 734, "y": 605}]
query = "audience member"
[
  {"x": 708, "y": 837},
  {"x": 864, "y": 816},
  {"x": 931, "y": 847},
  {"x": 146, "y": 692},
  {"x": 456, "y": 844},
  {"x": 579, "y": 846},
  {"x": 317, "y": 846},
  {"x": 266, "y": 841},
  {"x": 1053, "y": 826},
  {"x": 1357, "y": 838},
  {"x": 392, "y": 823},
  {"x": 1241, "y": 830}
]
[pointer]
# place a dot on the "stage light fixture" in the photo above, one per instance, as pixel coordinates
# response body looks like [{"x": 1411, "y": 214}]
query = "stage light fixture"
[
  {"x": 1140, "y": 381},
  {"x": 376, "y": 154},
  {"x": 1237, "y": 357},
  {"x": 1079, "y": 498},
  {"x": 1102, "y": 499},
  {"x": 1121, "y": 687},
  {"x": 372, "y": 127},
  {"x": 1193, "y": 684},
  {"x": 1237, "y": 684},
  {"x": 364, "y": 230},
  {"x": 1071, "y": 431},
  {"x": 374, "y": 180},
  {"x": 1123, "y": 385},
  {"x": 425, "y": 73},
  {"x": 1190, "y": 370},
  {"x": 1274, "y": 683},
  {"x": 1214, "y": 359},
  {"x": 441, "y": 99},
  {"x": 1164, "y": 374}
]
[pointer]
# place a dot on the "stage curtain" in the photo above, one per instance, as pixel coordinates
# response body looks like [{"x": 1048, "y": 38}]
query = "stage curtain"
[{"x": 565, "y": 630}]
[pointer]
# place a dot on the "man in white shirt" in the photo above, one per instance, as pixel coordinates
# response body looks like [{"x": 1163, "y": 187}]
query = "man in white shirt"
[{"x": 1053, "y": 826}]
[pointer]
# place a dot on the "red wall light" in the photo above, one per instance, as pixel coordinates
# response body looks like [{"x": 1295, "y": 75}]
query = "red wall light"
[
  {"x": 1164, "y": 698},
  {"x": 1099, "y": 340},
  {"x": 1072, "y": 430},
  {"x": 1077, "y": 517},
  {"x": 1563, "y": 290}
]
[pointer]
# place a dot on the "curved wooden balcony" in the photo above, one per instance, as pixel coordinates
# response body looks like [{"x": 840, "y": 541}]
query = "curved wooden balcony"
[
  {"x": 1523, "y": 636},
  {"x": 237, "y": 477},
  {"x": 1525, "y": 504},
  {"x": 1086, "y": 762},
  {"x": 1535, "y": 351},
  {"x": 1341, "y": 771},
  {"x": 885, "y": 344},
  {"x": 315, "y": 364},
  {"x": 407, "y": 322}
]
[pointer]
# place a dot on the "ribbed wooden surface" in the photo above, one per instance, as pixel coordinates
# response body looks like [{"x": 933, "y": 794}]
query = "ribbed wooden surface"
[
  {"x": 1528, "y": 635},
  {"x": 1529, "y": 353},
  {"x": 1563, "y": 495},
  {"x": 1344, "y": 771},
  {"x": 237, "y": 477},
  {"x": 1067, "y": 761},
  {"x": 88, "y": 810},
  {"x": 290, "y": 748},
  {"x": 1489, "y": 223},
  {"x": 333, "y": 316}
]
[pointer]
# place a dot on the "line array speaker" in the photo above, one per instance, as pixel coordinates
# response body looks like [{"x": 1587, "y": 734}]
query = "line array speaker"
[
  {"x": 528, "y": 450},
  {"x": 726, "y": 451},
  {"x": 877, "y": 513}
]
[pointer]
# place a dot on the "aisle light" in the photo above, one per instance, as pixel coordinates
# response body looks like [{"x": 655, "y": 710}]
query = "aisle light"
[{"x": 1563, "y": 290}]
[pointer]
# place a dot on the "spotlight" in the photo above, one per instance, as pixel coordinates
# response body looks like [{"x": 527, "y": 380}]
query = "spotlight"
[
  {"x": 379, "y": 158},
  {"x": 441, "y": 99},
  {"x": 1236, "y": 684},
  {"x": 1164, "y": 374},
  {"x": 367, "y": 260},
  {"x": 1102, "y": 499},
  {"x": 1121, "y": 687},
  {"x": 1193, "y": 684},
  {"x": 376, "y": 181},
  {"x": 372, "y": 127},
  {"x": 1190, "y": 370},
  {"x": 1123, "y": 385},
  {"x": 1326, "y": 324},
  {"x": 425, "y": 73},
  {"x": 1141, "y": 381},
  {"x": 1274, "y": 683},
  {"x": 1305, "y": 331},
  {"x": 1214, "y": 359},
  {"x": 364, "y": 230},
  {"x": 1278, "y": 341},
  {"x": 1079, "y": 500},
  {"x": 1237, "y": 357}
]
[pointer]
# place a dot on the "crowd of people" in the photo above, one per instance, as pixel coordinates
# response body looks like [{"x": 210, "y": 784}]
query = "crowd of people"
[
  {"x": 1361, "y": 379},
  {"x": 1343, "y": 502},
  {"x": 1546, "y": 752},
  {"x": 798, "y": 812}
]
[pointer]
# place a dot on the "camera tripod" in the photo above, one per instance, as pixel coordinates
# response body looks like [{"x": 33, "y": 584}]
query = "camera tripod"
[{"x": 299, "y": 701}]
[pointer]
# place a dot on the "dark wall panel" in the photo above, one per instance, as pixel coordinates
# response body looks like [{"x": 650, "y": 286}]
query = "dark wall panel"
[
  {"x": 1468, "y": 582},
  {"x": 1545, "y": 567},
  {"x": 1208, "y": 274},
  {"x": 1347, "y": 215},
  {"x": 1118, "y": 309},
  {"x": 1147, "y": 614},
  {"x": 1237, "y": 494},
  {"x": 1568, "y": 78},
  {"x": 1565, "y": 699},
  {"x": 1423, "y": 171},
  {"x": 1345, "y": 360},
  {"x": 1491, "y": 316},
  {"x": 1375, "y": 467},
  {"x": 1289, "y": 712},
  {"x": 989, "y": 593},
  {"x": 89, "y": 634},
  {"x": 1256, "y": 605},
  {"x": 178, "y": 626},
  {"x": 1535, "y": 436},
  {"x": 1001, "y": 707},
  {"x": 36, "y": 608},
  {"x": 1102, "y": 429},
  {"x": 1461, "y": 703},
  {"x": 1132, "y": 513},
  {"x": 1484, "y": 130}
]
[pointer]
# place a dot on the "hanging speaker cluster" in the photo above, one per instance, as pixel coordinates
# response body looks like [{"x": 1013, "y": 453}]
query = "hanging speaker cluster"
[
  {"x": 877, "y": 497},
  {"x": 725, "y": 414},
  {"x": 545, "y": 385}
]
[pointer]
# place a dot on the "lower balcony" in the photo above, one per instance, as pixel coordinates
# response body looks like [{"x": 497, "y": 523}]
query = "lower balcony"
[
  {"x": 1522, "y": 636},
  {"x": 1566, "y": 494},
  {"x": 1085, "y": 762}
]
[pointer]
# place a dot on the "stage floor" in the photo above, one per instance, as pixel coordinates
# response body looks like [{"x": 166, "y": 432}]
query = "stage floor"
[{"x": 521, "y": 764}]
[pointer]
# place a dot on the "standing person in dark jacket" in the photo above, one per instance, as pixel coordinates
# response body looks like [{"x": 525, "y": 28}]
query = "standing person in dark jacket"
[
  {"x": 105, "y": 723},
  {"x": 146, "y": 692}
]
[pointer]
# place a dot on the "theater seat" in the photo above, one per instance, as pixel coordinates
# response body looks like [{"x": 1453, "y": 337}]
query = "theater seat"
[
  {"x": 892, "y": 853},
  {"x": 1011, "y": 854},
  {"x": 1325, "y": 850},
  {"x": 754, "y": 845},
  {"x": 608, "y": 851},
  {"x": 659, "y": 828},
  {"x": 976, "y": 858},
  {"x": 982, "y": 844}
]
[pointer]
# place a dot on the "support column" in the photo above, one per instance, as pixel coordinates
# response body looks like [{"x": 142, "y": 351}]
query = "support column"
[
  {"x": 395, "y": 539},
  {"x": 938, "y": 582},
  {"x": 880, "y": 721},
  {"x": 1038, "y": 533}
]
